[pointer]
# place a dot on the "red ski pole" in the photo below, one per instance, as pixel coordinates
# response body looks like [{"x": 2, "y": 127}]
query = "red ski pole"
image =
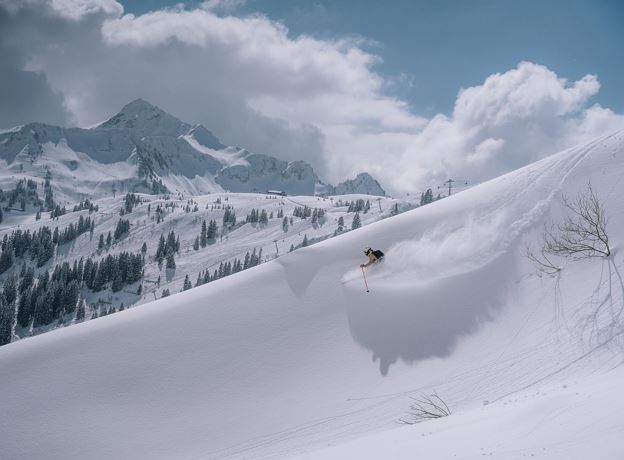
[{"x": 365, "y": 283}]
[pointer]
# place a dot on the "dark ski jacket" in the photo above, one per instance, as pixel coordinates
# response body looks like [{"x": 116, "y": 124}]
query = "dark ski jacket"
[{"x": 373, "y": 257}]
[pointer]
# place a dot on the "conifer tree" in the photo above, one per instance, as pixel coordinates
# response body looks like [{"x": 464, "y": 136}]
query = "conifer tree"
[
  {"x": 10, "y": 290},
  {"x": 212, "y": 231},
  {"x": 27, "y": 275},
  {"x": 264, "y": 220},
  {"x": 340, "y": 224},
  {"x": 160, "y": 251},
  {"x": 426, "y": 197},
  {"x": 24, "y": 308},
  {"x": 171, "y": 244},
  {"x": 117, "y": 281},
  {"x": 6, "y": 258},
  {"x": 187, "y": 283},
  {"x": 203, "y": 236},
  {"x": 170, "y": 261},
  {"x": 123, "y": 226},
  {"x": 81, "y": 310},
  {"x": 7, "y": 319},
  {"x": 357, "y": 223}
]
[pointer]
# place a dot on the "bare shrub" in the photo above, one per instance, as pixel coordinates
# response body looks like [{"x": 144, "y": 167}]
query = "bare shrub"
[
  {"x": 583, "y": 233},
  {"x": 543, "y": 262},
  {"x": 424, "y": 408}
]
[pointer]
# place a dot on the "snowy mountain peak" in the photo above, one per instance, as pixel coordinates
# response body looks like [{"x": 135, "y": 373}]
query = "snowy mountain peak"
[
  {"x": 363, "y": 183},
  {"x": 139, "y": 105},
  {"x": 161, "y": 149},
  {"x": 205, "y": 137},
  {"x": 145, "y": 119}
]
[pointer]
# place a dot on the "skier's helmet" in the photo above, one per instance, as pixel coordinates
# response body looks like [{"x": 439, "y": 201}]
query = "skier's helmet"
[{"x": 367, "y": 250}]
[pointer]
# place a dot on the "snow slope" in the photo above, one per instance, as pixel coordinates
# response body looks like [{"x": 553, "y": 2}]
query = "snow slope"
[
  {"x": 144, "y": 227},
  {"x": 293, "y": 356}
]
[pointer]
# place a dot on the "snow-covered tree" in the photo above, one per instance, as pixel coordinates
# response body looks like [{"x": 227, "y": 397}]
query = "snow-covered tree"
[
  {"x": 340, "y": 224},
  {"x": 81, "y": 310},
  {"x": 263, "y": 219},
  {"x": 357, "y": 223},
  {"x": 426, "y": 197}
]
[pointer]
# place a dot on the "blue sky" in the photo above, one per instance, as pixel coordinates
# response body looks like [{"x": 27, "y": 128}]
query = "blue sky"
[{"x": 431, "y": 49}]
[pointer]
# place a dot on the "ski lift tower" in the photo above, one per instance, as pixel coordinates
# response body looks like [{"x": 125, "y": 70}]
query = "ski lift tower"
[{"x": 449, "y": 182}]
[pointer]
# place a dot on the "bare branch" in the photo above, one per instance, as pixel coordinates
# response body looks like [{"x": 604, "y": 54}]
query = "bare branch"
[
  {"x": 544, "y": 263},
  {"x": 583, "y": 233},
  {"x": 426, "y": 407}
]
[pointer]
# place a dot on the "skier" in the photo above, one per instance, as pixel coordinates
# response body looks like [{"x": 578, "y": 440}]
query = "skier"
[{"x": 374, "y": 256}]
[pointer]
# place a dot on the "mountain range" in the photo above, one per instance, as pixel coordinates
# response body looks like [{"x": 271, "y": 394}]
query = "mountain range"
[{"x": 145, "y": 149}]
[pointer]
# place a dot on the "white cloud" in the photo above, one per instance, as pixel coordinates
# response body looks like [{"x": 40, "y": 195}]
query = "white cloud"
[
  {"x": 299, "y": 97},
  {"x": 77, "y": 9},
  {"x": 67, "y": 9},
  {"x": 510, "y": 120},
  {"x": 226, "y": 6}
]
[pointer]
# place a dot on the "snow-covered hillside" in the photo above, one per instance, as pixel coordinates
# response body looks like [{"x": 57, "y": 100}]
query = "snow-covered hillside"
[
  {"x": 144, "y": 149},
  {"x": 293, "y": 359},
  {"x": 283, "y": 230}
]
